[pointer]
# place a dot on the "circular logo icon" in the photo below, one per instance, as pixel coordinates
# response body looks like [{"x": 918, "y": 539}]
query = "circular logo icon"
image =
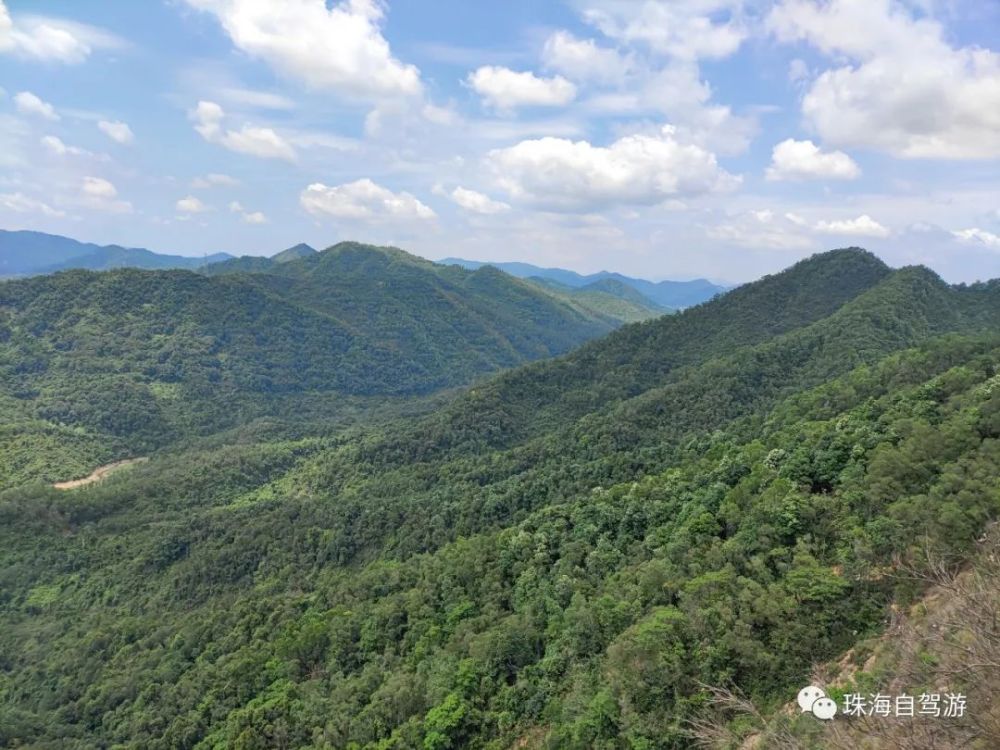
[
  {"x": 809, "y": 695},
  {"x": 824, "y": 708}
]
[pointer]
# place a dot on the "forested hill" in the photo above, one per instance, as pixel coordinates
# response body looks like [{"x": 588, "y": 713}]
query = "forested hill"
[
  {"x": 103, "y": 365},
  {"x": 669, "y": 294},
  {"x": 537, "y": 565},
  {"x": 348, "y": 268}
]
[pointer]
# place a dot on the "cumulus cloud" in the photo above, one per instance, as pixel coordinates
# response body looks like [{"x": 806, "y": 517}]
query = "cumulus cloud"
[
  {"x": 678, "y": 91},
  {"x": 641, "y": 169},
  {"x": 264, "y": 143},
  {"x": 763, "y": 229},
  {"x": 905, "y": 91},
  {"x": 51, "y": 39},
  {"x": 506, "y": 89},
  {"x": 249, "y": 217},
  {"x": 803, "y": 160},
  {"x": 191, "y": 205},
  {"x": 55, "y": 146},
  {"x": 863, "y": 226},
  {"x": 214, "y": 180},
  {"x": 29, "y": 104},
  {"x": 583, "y": 59},
  {"x": 100, "y": 194},
  {"x": 119, "y": 132},
  {"x": 976, "y": 236},
  {"x": 687, "y": 30},
  {"x": 97, "y": 187},
  {"x": 340, "y": 48},
  {"x": 22, "y": 204},
  {"x": 477, "y": 202},
  {"x": 363, "y": 200}
]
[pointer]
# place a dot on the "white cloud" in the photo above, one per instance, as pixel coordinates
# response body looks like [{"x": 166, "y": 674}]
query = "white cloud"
[
  {"x": 50, "y": 39},
  {"x": 339, "y": 48},
  {"x": 97, "y": 187},
  {"x": 762, "y": 229},
  {"x": 191, "y": 205},
  {"x": 905, "y": 91},
  {"x": 635, "y": 170},
  {"x": 214, "y": 180},
  {"x": 803, "y": 160},
  {"x": 250, "y": 217},
  {"x": 55, "y": 146},
  {"x": 119, "y": 132},
  {"x": 477, "y": 202},
  {"x": 863, "y": 226},
  {"x": 682, "y": 29},
  {"x": 22, "y": 204},
  {"x": 583, "y": 60},
  {"x": 507, "y": 89},
  {"x": 29, "y": 104},
  {"x": 363, "y": 200},
  {"x": 255, "y": 141},
  {"x": 102, "y": 195},
  {"x": 978, "y": 236},
  {"x": 678, "y": 91}
]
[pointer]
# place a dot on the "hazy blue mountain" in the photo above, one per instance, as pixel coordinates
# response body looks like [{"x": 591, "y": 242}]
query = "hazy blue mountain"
[
  {"x": 25, "y": 253},
  {"x": 669, "y": 294}
]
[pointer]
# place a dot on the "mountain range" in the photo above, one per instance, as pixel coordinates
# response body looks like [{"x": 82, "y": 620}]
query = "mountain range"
[
  {"x": 572, "y": 553},
  {"x": 28, "y": 253},
  {"x": 666, "y": 294},
  {"x": 24, "y": 253},
  {"x": 95, "y": 362}
]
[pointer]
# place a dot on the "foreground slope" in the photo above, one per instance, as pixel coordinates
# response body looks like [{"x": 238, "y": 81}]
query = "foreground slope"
[
  {"x": 133, "y": 360},
  {"x": 481, "y": 578}
]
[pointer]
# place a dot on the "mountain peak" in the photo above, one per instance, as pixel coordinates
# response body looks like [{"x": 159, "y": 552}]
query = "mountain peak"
[{"x": 302, "y": 250}]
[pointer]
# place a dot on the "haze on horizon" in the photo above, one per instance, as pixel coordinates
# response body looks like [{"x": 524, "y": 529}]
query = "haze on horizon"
[{"x": 693, "y": 138}]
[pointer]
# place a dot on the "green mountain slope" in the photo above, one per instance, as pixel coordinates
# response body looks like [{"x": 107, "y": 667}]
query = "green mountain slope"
[
  {"x": 614, "y": 303},
  {"x": 139, "y": 360},
  {"x": 667, "y": 294},
  {"x": 720, "y": 510},
  {"x": 608, "y": 297}
]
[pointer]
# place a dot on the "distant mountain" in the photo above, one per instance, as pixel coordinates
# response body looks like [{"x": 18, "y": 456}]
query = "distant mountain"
[
  {"x": 259, "y": 263},
  {"x": 298, "y": 252},
  {"x": 668, "y": 294},
  {"x": 609, "y": 300},
  {"x": 149, "y": 356},
  {"x": 606, "y": 297},
  {"x": 29, "y": 253}
]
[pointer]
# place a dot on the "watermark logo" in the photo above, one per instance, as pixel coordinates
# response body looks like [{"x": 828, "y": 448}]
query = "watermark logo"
[{"x": 812, "y": 699}]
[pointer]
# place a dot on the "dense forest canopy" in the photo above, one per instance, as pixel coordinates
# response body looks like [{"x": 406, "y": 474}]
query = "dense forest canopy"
[
  {"x": 560, "y": 556},
  {"x": 96, "y": 366}
]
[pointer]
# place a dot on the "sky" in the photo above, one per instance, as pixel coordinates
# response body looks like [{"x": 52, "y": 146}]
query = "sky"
[{"x": 678, "y": 139}]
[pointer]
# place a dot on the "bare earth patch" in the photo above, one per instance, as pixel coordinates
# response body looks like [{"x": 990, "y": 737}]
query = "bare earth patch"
[{"x": 101, "y": 472}]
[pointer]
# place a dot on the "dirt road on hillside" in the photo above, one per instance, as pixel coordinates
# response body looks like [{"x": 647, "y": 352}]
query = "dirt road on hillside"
[{"x": 101, "y": 472}]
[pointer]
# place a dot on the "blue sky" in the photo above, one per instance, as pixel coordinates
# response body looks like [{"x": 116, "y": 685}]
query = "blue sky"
[{"x": 667, "y": 139}]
